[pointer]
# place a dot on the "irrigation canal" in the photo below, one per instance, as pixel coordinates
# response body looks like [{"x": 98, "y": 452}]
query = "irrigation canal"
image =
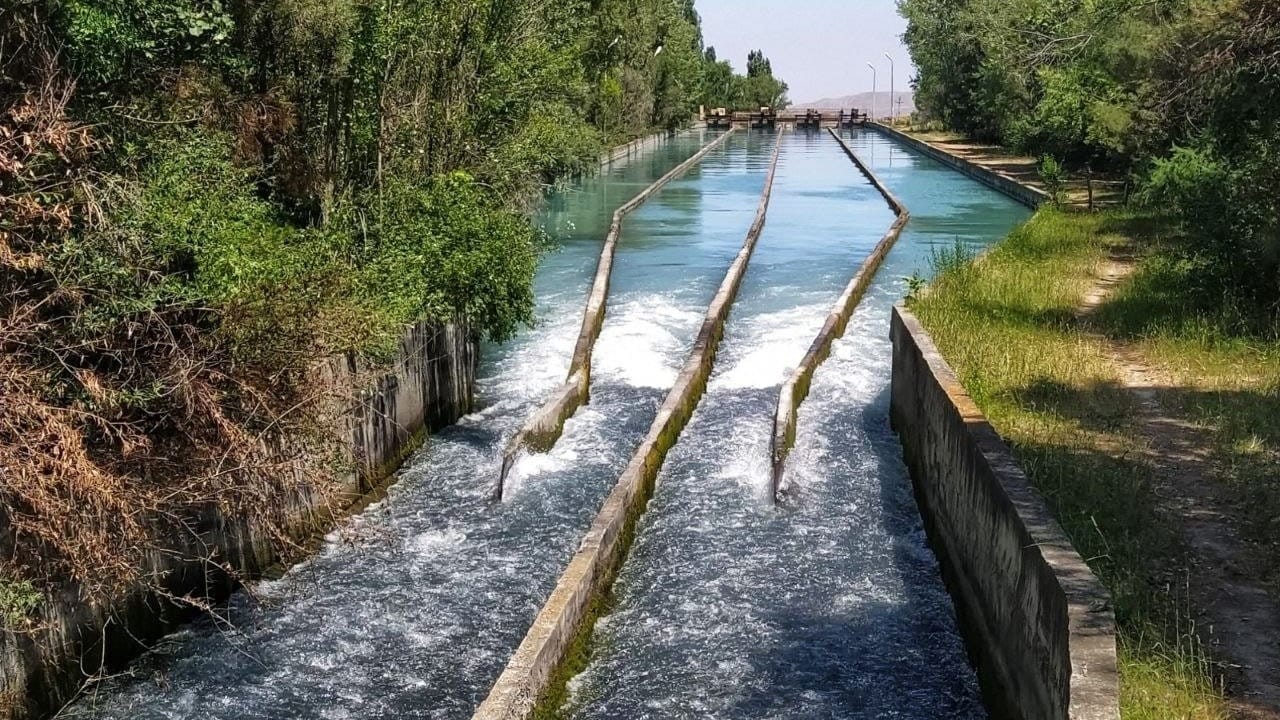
[{"x": 827, "y": 605}]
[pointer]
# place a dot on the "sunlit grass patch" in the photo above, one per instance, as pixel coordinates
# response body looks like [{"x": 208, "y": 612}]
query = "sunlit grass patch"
[{"x": 1167, "y": 684}]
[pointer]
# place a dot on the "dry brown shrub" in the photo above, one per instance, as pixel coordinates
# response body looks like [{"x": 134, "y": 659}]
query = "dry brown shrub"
[{"x": 94, "y": 483}]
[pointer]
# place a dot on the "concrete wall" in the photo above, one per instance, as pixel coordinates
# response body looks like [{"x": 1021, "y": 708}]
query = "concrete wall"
[
  {"x": 543, "y": 428},
  {"x": 1025, "y": 194},
  {"x": 636, "y": 147},
  {"x": 796, "y": 389},
  {"x": 1037, "y": 622},
  {"x": 562, "y": 622},
  {"x": 386, "y": 414}
]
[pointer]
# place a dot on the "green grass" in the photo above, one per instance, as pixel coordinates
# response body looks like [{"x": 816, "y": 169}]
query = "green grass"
[
  {"x": 18, "y": 598},
  {"x": 1006, "y": 324}
]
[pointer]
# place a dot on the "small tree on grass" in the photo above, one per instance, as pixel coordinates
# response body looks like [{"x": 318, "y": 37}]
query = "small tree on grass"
[{"x": 1054, "y": 177}]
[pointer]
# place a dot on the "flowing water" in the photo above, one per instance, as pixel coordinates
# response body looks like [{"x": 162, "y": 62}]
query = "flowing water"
[{"x": 829, "y": 606}]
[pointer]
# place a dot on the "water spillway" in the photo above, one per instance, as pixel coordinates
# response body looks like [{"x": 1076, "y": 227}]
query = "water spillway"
[
  {"x": 832, "y": 605},
  {"x": 546, "y": 424},
  {"x": 827, "y": 606}
]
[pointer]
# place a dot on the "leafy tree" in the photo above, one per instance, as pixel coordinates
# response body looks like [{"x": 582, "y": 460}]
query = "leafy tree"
[
  {"x": 717, "y": 81},
  {"x": 758, "y": 65},
  {"x": 1182, "y": 91},
  {"x": 721, "y": 87}
]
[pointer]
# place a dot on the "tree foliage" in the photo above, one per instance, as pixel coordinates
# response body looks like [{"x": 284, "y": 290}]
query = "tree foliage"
[
  {"x": 721, "y": 87},
  {"x": 1184, "y": 94}
]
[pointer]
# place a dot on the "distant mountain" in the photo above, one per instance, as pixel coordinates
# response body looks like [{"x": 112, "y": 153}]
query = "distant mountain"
[{"x": 863, "y": 101}]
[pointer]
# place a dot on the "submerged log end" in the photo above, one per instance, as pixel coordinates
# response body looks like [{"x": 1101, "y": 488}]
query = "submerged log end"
[
  {"x": 784, "y": 435},
  {"x": 509, "y": 455},
  {"x": 543, "y": 429}
]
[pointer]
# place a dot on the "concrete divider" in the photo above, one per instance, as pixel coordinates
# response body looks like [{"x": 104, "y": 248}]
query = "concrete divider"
[
  {"x": 637, "y": 146},
  {"x": 1038, "y": 624},
  {"x": 796, "y": 389},
  {"x": 543, "y": 428},
  {"x": 1030, "y": 196},
  {"x": 562, "y": 622}
]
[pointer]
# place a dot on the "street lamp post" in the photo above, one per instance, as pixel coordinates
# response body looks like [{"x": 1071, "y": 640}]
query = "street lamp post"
[
  {"x": 893, "y": 116},
  {"x": 873, "y": 91}
]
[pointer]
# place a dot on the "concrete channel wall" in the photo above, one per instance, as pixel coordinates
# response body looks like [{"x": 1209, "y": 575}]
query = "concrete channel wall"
[
  {"x": 562, "y": 622},
  {"x": 381, "y": 415},
  {"x": 1025, "y": 194},
  {"x": 638, "y": 146},
  {"x": 796, "y": 389},
  {"x": 1038, "y": 624},
  {"x": 543, "y": 428}
]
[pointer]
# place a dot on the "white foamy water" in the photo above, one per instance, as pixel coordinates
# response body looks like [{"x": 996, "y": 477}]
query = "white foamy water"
[
  {"x": 412, "y": 608},
  {"x": 644, "y": 341},
  {"x": 771, "y": 348}
]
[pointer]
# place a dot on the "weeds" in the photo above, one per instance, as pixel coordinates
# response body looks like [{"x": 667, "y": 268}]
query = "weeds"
[
  {"x": 953, "y": 259},
  {"x": 18, "y": 598},
  {"x": 1054, "y": 177}
]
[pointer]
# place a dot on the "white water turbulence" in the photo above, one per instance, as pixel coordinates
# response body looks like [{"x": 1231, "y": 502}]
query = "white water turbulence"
[
  {"x": 411, "y": 608},
  {"x": 831, "y": 605}
]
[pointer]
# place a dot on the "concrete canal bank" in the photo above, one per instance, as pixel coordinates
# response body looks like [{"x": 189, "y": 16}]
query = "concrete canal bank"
[
  {"x": 1036, "y": 620},
  {"x": 1025, "y": 194}
]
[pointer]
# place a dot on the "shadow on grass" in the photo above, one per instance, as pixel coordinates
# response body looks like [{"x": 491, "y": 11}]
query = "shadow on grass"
[
  {"x": 1101, "y": 407},
  {"x": 1103, "y": 485}
]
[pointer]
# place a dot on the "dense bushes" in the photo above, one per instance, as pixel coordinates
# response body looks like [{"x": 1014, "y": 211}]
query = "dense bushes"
[
  {"x": 1182, "y": 95},
  {"x": 440, "y": 249},
  {"x": 1230, "y": 204}
]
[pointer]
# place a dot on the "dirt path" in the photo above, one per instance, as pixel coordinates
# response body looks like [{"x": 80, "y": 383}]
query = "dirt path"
[{"x": 1238, "y": 617}]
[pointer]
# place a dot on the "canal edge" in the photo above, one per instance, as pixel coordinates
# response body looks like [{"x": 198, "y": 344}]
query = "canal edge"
[
  {"x": 1038, "y": 623},
  {"x": 1025, "y": 194}
]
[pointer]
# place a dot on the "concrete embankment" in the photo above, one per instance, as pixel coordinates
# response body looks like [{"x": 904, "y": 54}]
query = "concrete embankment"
[
  {"x": 380, "y": 416},
  {"x": 638, "y": 146},
  {"x": 1037, "y": 622},
  {"x": 539, "y": 662},
  {"x": 796, "y": 388},
  {"x": 1025, "y": 194},
  {"x": 545, "y": 425}
]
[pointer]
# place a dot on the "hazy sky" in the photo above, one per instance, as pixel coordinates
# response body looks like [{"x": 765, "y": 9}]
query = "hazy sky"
[{"x": 819, "y": 47}]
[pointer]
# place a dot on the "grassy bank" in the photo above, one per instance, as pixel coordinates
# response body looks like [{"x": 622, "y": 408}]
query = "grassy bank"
[{"x": 1007, "y": 323}]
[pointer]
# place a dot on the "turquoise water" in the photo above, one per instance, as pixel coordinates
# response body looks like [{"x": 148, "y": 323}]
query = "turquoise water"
[
  {"x": 832, "y": 605},
  {"x": 729, "y": 607}
]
